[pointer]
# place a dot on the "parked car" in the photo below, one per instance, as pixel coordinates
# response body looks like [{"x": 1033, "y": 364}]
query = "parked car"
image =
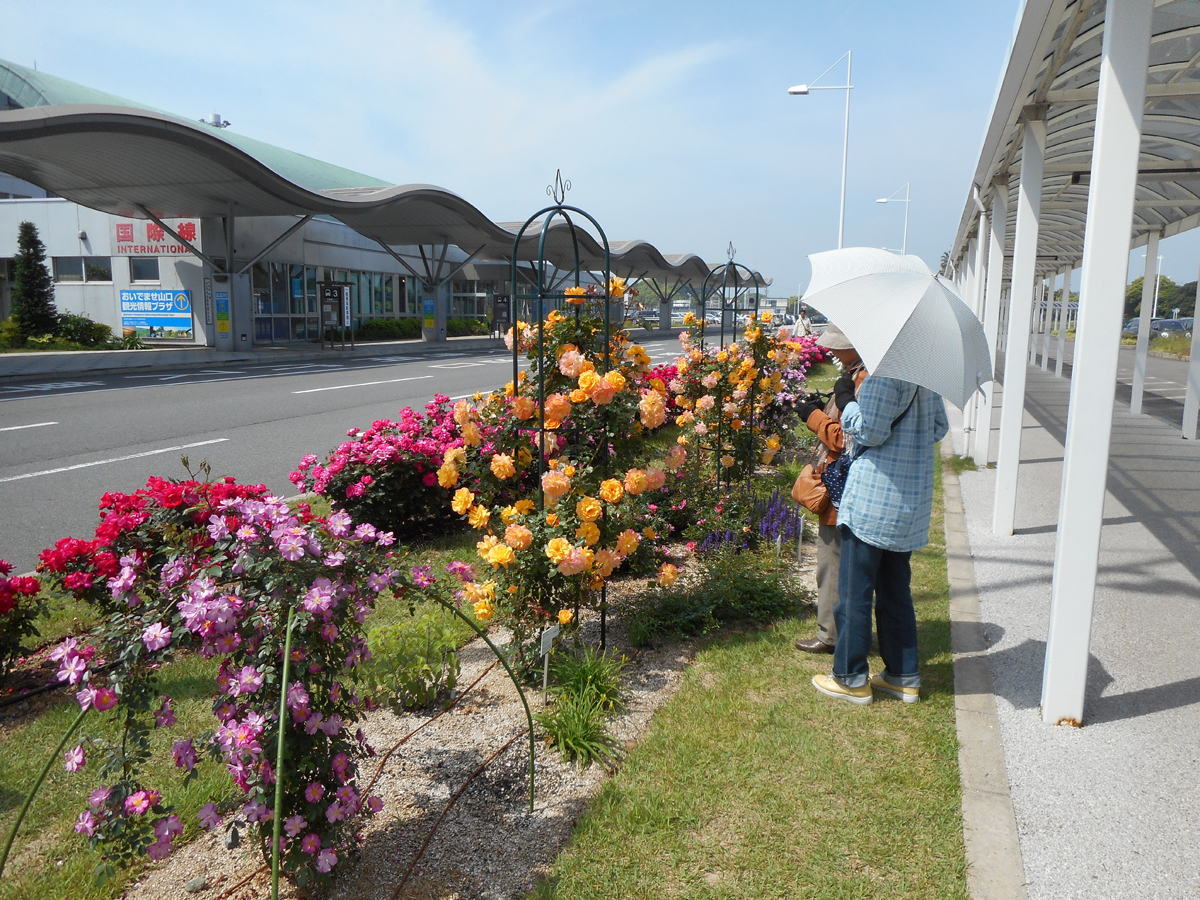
[{"x": 1171, "y": 328}]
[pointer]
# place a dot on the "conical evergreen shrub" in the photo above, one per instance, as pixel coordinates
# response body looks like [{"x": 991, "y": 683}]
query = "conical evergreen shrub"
[{"x": 33, "y": 289}]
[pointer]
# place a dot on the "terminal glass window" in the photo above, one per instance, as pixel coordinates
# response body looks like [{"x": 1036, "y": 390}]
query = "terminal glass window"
[
  {"x": 97, "y": 268},
  {"x": 296, "y": 280},
  {"x": 143, "y": 268},
  {"x": 279, "y": 289},
  {"x": 470, "y": 298},
  {"x": 82, "y": 268},
  {"x": 68, "y": 268}
]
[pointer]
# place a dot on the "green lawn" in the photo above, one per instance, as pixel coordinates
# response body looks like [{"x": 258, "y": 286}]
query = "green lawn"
[{"x": 751, "y": 784}]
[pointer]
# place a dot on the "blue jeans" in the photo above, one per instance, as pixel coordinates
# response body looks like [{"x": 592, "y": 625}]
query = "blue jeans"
[{"x": 870, "y": 574}]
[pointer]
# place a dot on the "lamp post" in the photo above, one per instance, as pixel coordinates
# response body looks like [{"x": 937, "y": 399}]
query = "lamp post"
[
  {"x": 802, "y": 90},
  {"x": 895, "y": 199}
]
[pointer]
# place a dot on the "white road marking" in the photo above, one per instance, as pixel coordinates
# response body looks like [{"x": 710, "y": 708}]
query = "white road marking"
[
  {"x": 462, "y": 365},
  {"x": 34, "y": 425},
  {"x": 101, "y": 462},
  {"x": 50, "y": 386},
  {"x": 338, "y": 387},
  {"x": 186, "y": 375}
]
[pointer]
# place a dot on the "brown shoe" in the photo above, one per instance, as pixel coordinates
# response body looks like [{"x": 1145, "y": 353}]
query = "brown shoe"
[{"x": 816, "y": 645}]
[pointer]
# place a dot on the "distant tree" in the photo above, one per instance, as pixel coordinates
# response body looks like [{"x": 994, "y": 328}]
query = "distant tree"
[
  {"x": 945, "y": 262},
  {"x": 33, "y": 290},
  {"x": 1166, "y": 292}
]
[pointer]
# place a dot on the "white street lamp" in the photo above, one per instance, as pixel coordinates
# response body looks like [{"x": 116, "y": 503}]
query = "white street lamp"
[
  {"x": 895, "y": 199},
  {"x": 802, "y": 90},
  {"x": 1157, "y": 285}
]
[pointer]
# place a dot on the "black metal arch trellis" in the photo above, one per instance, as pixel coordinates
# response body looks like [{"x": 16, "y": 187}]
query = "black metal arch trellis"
[
  {"x": 541, "y": 293},
  {"x": 730, "y": 284}
]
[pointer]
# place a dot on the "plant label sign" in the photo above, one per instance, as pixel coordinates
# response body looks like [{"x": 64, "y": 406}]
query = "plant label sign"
[{"x": 548, "y": 637}]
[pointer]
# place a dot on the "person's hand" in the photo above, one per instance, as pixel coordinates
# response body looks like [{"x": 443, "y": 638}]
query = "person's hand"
[
  {"x": 810, "y": 406},
  {"x": 843, "y": 391}
]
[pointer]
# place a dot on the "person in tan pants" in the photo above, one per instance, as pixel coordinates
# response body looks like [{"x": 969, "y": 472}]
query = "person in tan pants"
[{"x": 825, "y": 423}]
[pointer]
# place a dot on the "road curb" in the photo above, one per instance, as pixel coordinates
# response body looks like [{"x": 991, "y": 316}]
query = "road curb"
[
  {"x": 94, "y": 362},
  {"x": 995, "y": 870},
  {"x": 1162, "y": 354}
]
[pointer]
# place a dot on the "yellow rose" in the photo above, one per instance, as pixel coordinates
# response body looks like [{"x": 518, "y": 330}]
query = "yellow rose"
[
  {"x": 524, "y": 456},
  {"x": 611, "y": 490},
  {"x": 455, "y": 457},
  {"x": 524, "y": 507},
  {"x": 588, "y": 381},
  {"x": 588, "y": 532},
  {"x": 774, "y": 442},
  {"x": 479, "y": 516},
  {"x": 447, "y": 476},
  {"x": 615, "y": 380},
  {"x": 558, "y": 549},
  {"x": 480, "y": 591},
  {"x": 667, "y": 575},
  {"x": 578, "y": 395},
  {"x": 508, "y": 514},
  {"x": 576, "y": 295},
  {"x": 518, "y": 537},
  {"x": 484, "y": 610},
  {"x": 463, "y": 499},
  {"x": 722, "y": 356},
  {"x": 569, "y": 471},
  {"x": 501, "y": 556},
  {"x": 768, "y": 316},
  {"x": 565, "y": 616},
  {"x": 551, "y": 518},
  {"x": 462, "y": 412},
  {"x": 588, "y": 509},
  {"x": 650, "y": 533},
  {"x": 502, "y": 466},
  {"x": 727, "y": 461},
  {"x": 485, "y": 546}
]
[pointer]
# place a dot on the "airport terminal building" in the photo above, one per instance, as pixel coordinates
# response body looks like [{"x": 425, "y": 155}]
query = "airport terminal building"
[{"x": 184, "y": 231}]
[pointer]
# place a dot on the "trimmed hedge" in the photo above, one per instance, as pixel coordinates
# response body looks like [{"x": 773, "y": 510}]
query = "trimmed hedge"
[{"x": 389, "y": 330}]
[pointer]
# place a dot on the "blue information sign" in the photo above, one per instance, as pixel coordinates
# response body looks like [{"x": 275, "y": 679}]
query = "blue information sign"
[{"x": 165, "y": 315}]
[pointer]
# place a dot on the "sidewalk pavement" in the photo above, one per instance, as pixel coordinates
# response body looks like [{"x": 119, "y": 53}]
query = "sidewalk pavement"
[
  {"x": 55, "y": 363},
  {"x": 1111, "y": 809}
]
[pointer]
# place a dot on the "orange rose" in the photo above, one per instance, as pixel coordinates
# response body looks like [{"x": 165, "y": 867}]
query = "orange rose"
[
  {"x": 501, "y": 556},
  {"x": 555, "y": 484},
  {"x": 558, "y": 549},
  {"x": 635, "y": 481},
  {"x": 611, "y": 490},
  {"x": 588, "y": 509},
  {"x": 470, "y": 435},
  {"x": 479, "y": 517},
  {"x": 447, "y": 476},
  {"x": 588, "y": 532},
  {"x": 523, "y": 407},
  {"x": 627, "y": 541},
  {"x": 667, "y": 575},
  {"x": 502, "y": 466},
  {"x": 463, "y": 499},
  {"x": 518, "y": 537}
]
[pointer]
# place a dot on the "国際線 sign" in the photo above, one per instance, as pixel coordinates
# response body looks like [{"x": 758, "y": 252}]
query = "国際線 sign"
[
  {"x": 142, "y": 237},
  {"x": 157, "y": 315}
]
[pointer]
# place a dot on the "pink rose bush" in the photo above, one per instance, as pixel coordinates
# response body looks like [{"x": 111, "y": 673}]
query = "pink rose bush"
[
  {"x": 387, "y": 474},
  {"x": 219, "y": 574}
]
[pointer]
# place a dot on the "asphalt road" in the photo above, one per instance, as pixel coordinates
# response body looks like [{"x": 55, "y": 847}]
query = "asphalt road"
[
  {"x": 64, "y": 443},
  {"x": 1166, "y": 380}
]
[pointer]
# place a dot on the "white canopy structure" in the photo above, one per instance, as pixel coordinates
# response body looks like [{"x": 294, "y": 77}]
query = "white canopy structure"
[{"x": 1093, "y": 147}]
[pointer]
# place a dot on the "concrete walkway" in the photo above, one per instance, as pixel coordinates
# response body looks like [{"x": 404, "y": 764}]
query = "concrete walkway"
[{"x": 1112, "y": 809}]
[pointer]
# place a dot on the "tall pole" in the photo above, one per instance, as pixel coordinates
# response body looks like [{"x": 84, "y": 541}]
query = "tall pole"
[
  {"x": 845, "y": 150},
  {"x": 907, "y": 190}
]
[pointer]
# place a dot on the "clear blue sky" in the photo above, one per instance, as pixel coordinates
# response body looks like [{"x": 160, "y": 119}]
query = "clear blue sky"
[{"x": 671, "y": 119}]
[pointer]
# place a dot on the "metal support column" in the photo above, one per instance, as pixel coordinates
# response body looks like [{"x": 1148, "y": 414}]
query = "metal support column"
[
  {"x": 1051, "y": 292},
  {"x": 975, "y": 300},
  {"x": 1122, "y": 98},
  {"x": 1191, "y": 400},
  {"x": 1012, "y": 410},
  {"x": 991, "y": 315},
  {"x": 1149, "y": 277}
]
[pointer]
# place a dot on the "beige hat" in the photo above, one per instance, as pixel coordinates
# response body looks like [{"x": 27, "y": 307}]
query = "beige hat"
[{"x": 833, "y": 338}]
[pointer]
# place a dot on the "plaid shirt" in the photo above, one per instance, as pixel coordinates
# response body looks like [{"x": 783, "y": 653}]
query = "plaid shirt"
[{"x": 889, "y": 492}]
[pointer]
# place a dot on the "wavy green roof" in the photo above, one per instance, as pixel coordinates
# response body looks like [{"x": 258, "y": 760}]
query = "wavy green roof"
[{"x": 30, "y": 88}]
